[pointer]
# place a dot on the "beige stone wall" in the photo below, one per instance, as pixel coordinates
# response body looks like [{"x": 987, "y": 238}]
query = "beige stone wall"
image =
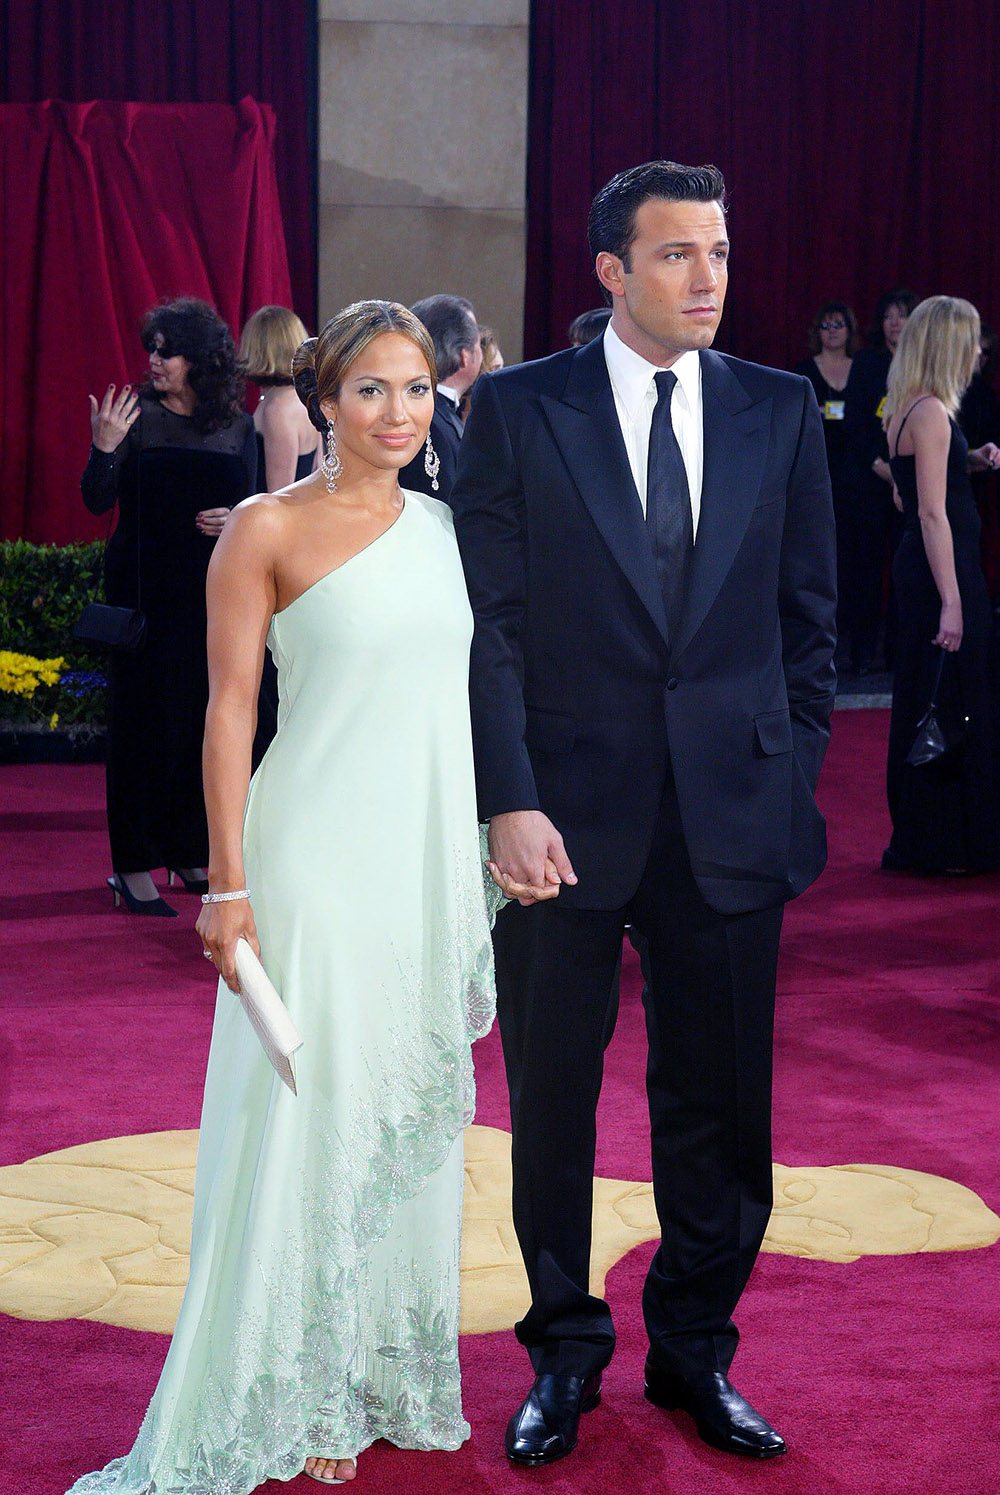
[{"x": 423, "y": 140}]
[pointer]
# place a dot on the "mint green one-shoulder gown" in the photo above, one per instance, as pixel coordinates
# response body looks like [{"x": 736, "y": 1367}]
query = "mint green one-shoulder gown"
[{"x": 321, "y": 1310}]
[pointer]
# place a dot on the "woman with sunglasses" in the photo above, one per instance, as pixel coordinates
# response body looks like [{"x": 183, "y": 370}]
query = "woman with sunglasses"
[{"x": 175, "y": 456}]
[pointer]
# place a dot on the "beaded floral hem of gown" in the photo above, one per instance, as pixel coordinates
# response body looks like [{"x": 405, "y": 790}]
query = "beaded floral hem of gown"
[{"x": 322, "y": 1305}]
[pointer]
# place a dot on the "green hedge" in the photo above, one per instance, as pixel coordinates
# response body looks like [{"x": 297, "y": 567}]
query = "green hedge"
[{"x": 43, "y": 590}]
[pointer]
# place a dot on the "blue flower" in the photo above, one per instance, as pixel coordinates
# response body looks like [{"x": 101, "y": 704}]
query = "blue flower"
[{"x": 78, "y": 683}]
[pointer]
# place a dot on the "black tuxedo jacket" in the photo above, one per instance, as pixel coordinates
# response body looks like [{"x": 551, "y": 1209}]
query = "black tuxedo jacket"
[
  {"x": 580, "y": 700},
  {"x": 446, "y": 434}
]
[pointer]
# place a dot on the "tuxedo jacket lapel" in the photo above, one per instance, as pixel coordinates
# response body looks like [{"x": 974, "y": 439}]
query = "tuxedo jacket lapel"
[
  {"x": 736, "y": 432},
  {"x": 586, "y": 428},
  {"x": 448, "y": 413}
]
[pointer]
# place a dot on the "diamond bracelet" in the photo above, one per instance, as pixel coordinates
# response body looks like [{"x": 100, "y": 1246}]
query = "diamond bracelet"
[{"x": 224, "y": 897}]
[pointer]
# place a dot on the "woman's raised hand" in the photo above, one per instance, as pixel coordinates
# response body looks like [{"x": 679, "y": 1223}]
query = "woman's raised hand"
[
  {"x": 220, "y": 926},
  {"x": 112, "y": 420}
]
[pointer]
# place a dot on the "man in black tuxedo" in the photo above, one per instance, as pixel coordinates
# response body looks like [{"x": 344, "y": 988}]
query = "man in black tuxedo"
[
  {"x": 647, "y": 532},
  {"x": 454, "y": 331}
]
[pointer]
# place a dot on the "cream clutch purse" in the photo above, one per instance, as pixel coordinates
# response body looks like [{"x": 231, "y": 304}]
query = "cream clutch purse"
[{"x": 278, "y": 1034}]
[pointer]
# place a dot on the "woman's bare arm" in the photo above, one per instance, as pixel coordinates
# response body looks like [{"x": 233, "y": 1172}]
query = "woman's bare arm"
[
  {"x": 931, "y": 435},
  {"x": 278, "y": 426},
  {"x": 241, "y": 603}
]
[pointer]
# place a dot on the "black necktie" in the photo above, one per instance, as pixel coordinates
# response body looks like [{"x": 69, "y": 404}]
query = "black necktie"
[{"x": 668, "y": 502}]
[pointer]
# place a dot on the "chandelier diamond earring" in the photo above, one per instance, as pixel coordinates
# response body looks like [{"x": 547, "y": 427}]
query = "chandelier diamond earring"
[
  {"x": 432, "y": 463},
  {"x": 331, "y": 464}
]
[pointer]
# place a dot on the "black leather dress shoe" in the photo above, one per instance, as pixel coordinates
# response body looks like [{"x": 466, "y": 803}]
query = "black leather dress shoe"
[
  {"x": 544, "y": 1427},
  {"x": 723, "y": 1417}
]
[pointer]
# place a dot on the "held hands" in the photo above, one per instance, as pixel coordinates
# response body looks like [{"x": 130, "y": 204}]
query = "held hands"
[
  {"x": 528, "y": 858},
  {"x": 111, "y": 421},
  {"x": 881, "y": 469},
  {"x": 524, "y": 892},
  {"x": 220, "y": 926},
  {"x": 211, "y": 521},
  {"x": 949, "y": 634}
]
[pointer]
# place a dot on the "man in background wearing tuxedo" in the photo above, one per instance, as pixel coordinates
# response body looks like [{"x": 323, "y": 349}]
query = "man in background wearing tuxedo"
[
  {"x": 647, "y": 532},
  {"x": 454, "y": 331}
]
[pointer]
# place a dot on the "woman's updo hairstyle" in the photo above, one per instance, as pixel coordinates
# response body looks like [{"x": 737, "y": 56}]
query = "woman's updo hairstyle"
[{"x": 321, "y": 363}]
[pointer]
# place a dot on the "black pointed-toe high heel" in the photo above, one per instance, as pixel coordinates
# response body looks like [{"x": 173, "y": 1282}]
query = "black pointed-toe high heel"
[
  {"x": 191, "y": 884},
  {"x": 154, "y": 906}
]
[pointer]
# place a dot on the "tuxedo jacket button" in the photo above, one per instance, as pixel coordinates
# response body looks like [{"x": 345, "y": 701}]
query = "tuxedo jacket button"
[{"x": 672, "y": 683}]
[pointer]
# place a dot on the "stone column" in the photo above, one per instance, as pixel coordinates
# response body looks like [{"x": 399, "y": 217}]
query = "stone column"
[{"x": 423, "y": 148}]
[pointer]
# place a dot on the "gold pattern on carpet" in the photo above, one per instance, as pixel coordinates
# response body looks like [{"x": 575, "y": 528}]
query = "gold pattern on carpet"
[{"x": 102, "y": 1231}]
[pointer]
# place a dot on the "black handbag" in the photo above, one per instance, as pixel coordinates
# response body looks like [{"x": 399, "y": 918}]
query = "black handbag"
[
  {"x": 934, "y": 739},
  {"x": 111, "y": 627},
  {"x": 107, "y": 627}
]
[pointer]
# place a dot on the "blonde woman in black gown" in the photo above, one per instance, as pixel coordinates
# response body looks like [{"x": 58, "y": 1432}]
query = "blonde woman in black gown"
[{"x": 945, "y": 814}]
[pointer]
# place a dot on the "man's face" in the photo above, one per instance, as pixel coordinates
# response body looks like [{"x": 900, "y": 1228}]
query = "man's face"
[{"x": 670, "y": 290}]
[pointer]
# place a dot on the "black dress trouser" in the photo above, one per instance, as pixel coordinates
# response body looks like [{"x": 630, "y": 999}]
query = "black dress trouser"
[{"x": 709, "y": 1019}]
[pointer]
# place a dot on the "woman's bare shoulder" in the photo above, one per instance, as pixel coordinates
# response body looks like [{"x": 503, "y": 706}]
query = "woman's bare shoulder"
[
  {"x": 258, "y": 513},
  {"x": 922, "y": 419},
  {"x": 255, "y": 529},
  {"x": 269, "y": 521},
  {"x": 279, "y": 411},
  {"x": 273, "y": 511},
  {"x": 928, "y": 410}
]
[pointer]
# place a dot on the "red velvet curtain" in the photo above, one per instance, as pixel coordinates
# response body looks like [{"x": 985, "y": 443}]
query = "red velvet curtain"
[
  {"x": 177, "y": 52},
  {"x": 858, "y": 142},
  {"x": 106, "y": 209}
]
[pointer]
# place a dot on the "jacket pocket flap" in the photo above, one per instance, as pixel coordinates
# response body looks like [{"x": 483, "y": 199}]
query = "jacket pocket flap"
[
  {"x": 549, "y": 734},
  {"x": 774, "y": 731}
]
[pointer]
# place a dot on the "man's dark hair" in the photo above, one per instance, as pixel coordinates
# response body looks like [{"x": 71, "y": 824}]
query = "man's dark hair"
[
  {"x": 611, "y": 225},
  {"x": 451, "y": 322},
  {"x": 588, "y": 325}
]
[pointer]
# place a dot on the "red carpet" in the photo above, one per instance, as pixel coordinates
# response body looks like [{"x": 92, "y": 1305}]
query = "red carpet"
[{"x": 881, "y": 1374}]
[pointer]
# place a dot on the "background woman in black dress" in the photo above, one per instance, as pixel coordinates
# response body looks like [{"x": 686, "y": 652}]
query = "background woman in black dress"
[
  {"x": 176, "y": 457},
  {"x": 833, "y": 340},
  {"x": 286, "y": 439},
  {"x": 873, "y": 529},
  {"x": 945, "y": 814},
  {"x": 287, "y": 451}
]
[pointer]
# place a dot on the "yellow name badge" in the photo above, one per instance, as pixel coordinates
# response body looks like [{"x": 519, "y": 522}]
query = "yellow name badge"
[
  {"x": 833, "y": 410},
  {"x": 881, "y": 409}
]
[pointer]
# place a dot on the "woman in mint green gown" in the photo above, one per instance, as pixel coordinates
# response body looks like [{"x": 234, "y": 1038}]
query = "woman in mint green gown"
[{"x": 322, "y": 1306}]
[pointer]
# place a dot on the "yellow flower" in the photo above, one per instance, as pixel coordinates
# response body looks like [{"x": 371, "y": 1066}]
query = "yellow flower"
[
  {"x": 53, "y": 721},
  {"x": 21, "y": 674}
]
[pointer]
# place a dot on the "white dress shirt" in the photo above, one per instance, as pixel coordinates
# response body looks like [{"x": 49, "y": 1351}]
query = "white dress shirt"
[
  {"x": 635, "y": 400},
  {"x": 450, "y": 394}
]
